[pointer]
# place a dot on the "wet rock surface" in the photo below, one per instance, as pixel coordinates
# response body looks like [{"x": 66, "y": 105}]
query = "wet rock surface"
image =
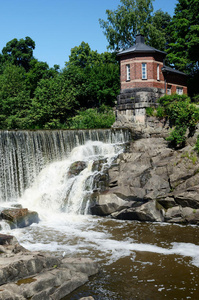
[
  {"x": 19, "y": 217},
  {"x": 151, "y": 181},
  {"x": 34, "y": 275},
  {"x": 76, "y": 168}
]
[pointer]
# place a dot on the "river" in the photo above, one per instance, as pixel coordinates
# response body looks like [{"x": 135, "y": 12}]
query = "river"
[{"x": 137, "y": 260}]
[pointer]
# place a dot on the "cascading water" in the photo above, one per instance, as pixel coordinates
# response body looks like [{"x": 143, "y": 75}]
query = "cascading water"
[
  {"x": 55, "y": 189},
  {"x": 23, "y": 154},
  {"x": 53, "y": 173}
]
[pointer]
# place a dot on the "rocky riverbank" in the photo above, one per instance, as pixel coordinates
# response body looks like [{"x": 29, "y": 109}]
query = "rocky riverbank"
[
  {"x": 36, "y": 275},
  {"x": 151, "y": 181}
]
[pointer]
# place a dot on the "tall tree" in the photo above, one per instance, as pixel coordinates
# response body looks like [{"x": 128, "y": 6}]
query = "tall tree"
[
  {"x": 14, "y": 97},
  {"x": 131, "y": 17},
  {"x": 183, "y": 48},
  {"x": 39, "y": 70},
  {"x": 160, "y": 23},
  {"x": 53, "y": 103},
  {"x": 19, "y": 52},
  {"x": 184, "y": 34},
  {"x": 93, "y": 77}
]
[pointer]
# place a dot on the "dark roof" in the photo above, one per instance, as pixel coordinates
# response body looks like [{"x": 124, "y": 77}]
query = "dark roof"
[
  {"x": 140, "y": 47},
  {"x": 169, "y": 70}
]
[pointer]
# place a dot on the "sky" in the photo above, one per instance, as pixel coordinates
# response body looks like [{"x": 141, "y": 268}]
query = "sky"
[{"x": 57, "y": 26}]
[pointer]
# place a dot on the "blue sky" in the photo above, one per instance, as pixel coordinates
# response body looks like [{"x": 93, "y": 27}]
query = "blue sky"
[{"x": 56, "y": 26}]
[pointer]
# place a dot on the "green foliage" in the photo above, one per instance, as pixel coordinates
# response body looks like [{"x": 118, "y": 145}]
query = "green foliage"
[
  {"x": 132, "y": 17},
  {"x": 182, "y": 114},
  {"x": 93, "y": 77},
  {"x": 197, "y": 145},
  {"x": 183, "y": 44},
  {"x": 19, "y": 52},
  {"x": 14, "y": 98},
  {"x": 93, "y": 118},
  {"x": 150, "y": 111},
  {"x": 34, "y": 96},
  {"x": 160, "y": 112},
  {"x": 191, "y": 156},
  {"x": 52, "y": 104}
]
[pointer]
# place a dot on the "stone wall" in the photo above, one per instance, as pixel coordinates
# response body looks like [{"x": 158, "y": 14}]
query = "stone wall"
[{"x": 132, "y": 103}]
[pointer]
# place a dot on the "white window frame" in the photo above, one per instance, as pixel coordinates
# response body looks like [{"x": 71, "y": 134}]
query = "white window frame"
[
  {"x": 158, "y": 72},
  {"x": 128, "y": 72},
  {"x": 144, "y": 71},
  {"x": 168, "y": 90},
  {"x": 179, "y": 90}
]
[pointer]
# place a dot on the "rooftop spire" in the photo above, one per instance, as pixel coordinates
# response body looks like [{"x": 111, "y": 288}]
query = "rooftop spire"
[{"x": 140, "y": 39}]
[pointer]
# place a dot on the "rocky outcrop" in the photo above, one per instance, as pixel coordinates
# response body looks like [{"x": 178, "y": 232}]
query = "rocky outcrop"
[
  {"x": 76, "y": 168},
  {"x": 19, "y": 217},
  {"x": 105, "y": 204},
  {"x": 144, "y": 212},
  {"x": 152, "y": 182},
  {"x": 34, "y": 275}
]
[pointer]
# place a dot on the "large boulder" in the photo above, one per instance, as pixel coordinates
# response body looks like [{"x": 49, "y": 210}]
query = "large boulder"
[
  {"x": 105, "y": 204},
  {"x": 145, "y": 212},
  {"x": 182, "y": 215},
  {"x": 32, "y": 275},
  {"x": 19, "y": 217},
  {"x": 189, "y": 197},
  {"x": 76, "y": 168}
]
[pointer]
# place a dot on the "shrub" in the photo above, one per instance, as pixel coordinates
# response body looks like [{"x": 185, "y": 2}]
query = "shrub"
[
  {"x": 182, "y": 114},
  {"x": 93, "y": 118},
  {"x": 150, "y": 111},
  {"x": 197, "y": 145},
  {"x": 195, "y": 99}
]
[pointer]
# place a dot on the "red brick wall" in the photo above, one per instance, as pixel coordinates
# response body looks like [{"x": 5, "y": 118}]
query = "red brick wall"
[
  {"x": 176, "y": 80},
  {"x": 136, "y": 80}
]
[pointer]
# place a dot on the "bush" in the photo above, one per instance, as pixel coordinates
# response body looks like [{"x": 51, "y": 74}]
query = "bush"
[
  {"x": 93, "y": 118},
  {"x": 197, "y": 145},
  {"x": 182, "y": 114},
  {"x": 160, "y": 112},
  {"x": 150, "y": 111},
  {"x": 195, "y": 99}
]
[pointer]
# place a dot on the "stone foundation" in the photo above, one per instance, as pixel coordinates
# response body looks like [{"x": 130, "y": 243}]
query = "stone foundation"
[{"x": 132, "y": 103}]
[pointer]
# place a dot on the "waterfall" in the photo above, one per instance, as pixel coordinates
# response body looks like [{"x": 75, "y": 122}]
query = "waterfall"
[{"x": 38, "y": 163}]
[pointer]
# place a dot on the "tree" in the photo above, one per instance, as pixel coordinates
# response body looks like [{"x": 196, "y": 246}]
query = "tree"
[
  {"x": 52, "y": 105},
  {"x": 93, "y": 77},
  {"x": 131, "y": 17},
  {"x": 184, "y": 34},
  {"x": 39, "y": 70},
  {"x": 19, "y": 52},
  {"x": 183, "y": 48},
  {"x": 14, "y": 97},
  {"x": 160, "y": 22}
]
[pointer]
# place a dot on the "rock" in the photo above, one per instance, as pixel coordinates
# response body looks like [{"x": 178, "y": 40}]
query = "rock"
[
  {"x": 76, "y": 168},
  {"x": 151, "y": 171},
  {"x": 168, "y": 202},
  {"x": 107, "y": 204},
  {"x": 98, "y": 165},
  {"x": 7, "y": 239},
  {"x": 145, "y": 212},
  {"x": 189, "y": 197},
  {"x": 182, "y": 215},
  {"x": 19, "y": 217},
  {"x": 31, "y": 275},
  {"x": 193, "y": 218}
]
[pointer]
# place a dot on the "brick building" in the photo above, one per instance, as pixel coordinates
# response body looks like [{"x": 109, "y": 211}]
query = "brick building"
[{"x": 144, "y": 78}]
